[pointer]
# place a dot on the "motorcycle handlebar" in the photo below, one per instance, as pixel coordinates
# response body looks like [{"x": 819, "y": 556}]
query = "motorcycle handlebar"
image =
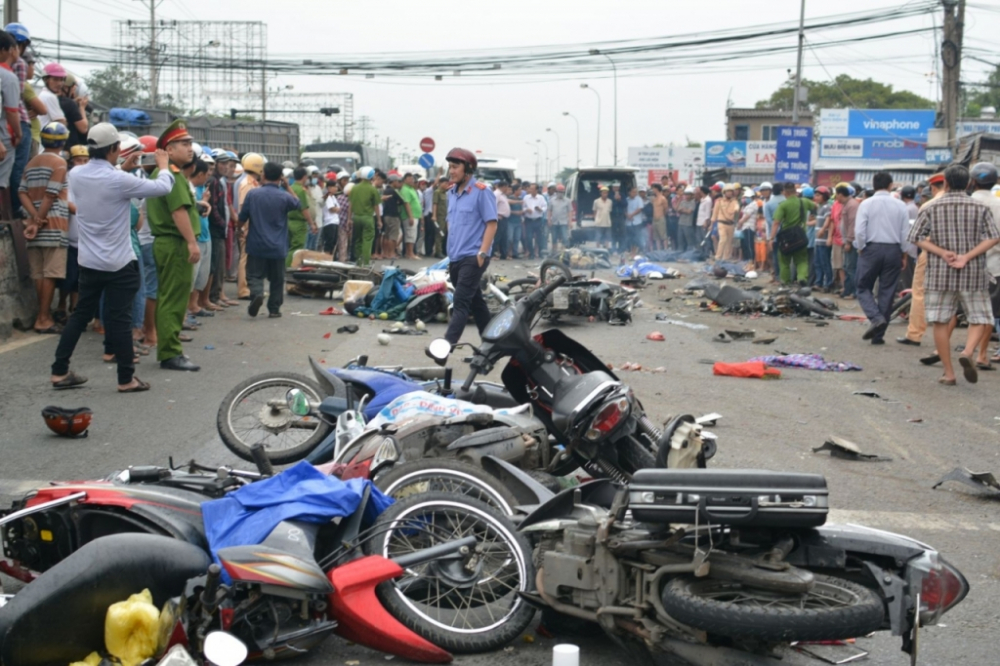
[
  {"x": 261, "y": 460},
  {"x": 539, "y": 295}
]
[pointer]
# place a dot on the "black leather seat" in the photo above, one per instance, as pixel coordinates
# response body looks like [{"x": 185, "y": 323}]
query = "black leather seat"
[
  {"x": 59, "y": 618},
  {"x": 571, "y": 391}
]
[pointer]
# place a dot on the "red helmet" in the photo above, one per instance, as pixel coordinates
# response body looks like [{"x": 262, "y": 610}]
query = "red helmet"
[
  {"x": 148, "y": 143},
  {"x": 462, "y": 155},
  {"x": 68, "y": 422},
  {"x": 823, "y": 189}
]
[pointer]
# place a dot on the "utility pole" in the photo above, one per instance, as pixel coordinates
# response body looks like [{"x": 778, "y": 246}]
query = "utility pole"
[
  {"x": 153, "y": 73},
  {"x": 10, "y": 12},
  {"x": 798, "y": 65},
  {"x": 951, "y": 58}
]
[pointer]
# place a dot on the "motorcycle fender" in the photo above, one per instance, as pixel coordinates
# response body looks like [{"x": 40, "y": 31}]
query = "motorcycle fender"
[
  {"x": 526, "y": 490},
  {"x": 362, "y": 618}
]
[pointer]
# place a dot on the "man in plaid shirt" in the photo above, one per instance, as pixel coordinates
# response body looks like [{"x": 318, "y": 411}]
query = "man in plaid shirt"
[{"x": 963, "y": 230}]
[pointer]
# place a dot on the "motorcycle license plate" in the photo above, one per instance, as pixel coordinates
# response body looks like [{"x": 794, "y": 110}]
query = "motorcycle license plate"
[{"x": 560, "y": 299}]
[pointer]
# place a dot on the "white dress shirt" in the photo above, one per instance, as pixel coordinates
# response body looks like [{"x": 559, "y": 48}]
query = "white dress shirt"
[
  {"x": 882, "y": 219},
  {"x": 993, "y": 254},
  {"x": 103, "y": 197},
  {"x": 530, "y": 202}
]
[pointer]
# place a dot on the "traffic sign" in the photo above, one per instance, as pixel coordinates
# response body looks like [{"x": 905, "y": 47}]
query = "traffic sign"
[
  {"x": 427, "y": 144},
  {"x": 426, "y": 160}
]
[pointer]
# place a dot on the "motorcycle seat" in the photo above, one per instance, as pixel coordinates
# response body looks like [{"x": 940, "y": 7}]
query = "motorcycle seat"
[
  {"x": 573, "y": 394},
  {"x": 59, "y": 618}
]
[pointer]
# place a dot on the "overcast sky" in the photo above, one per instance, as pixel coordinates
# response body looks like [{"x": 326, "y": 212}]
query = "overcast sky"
[{"x": 662, "y": 106}]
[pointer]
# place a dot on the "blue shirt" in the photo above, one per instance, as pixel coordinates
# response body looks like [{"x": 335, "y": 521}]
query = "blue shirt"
[
  {"x": 769, "y": 209},
  {"x": 635, "y": 204},
  {"x": 469, "y": 210},
  {"x": 267, "y": 209},
  {"x": 204, "y": 236}
]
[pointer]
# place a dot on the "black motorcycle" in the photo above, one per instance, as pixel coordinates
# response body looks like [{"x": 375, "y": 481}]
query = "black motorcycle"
[{"x": 597, "y": 419}]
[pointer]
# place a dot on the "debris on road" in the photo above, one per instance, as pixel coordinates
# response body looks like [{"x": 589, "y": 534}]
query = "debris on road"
[
  {"x": 350, "y": 328},
  {"x": 656, "y": 336},
  {"x": 867, "y": 394},
  {"x": 686, "y": 324},
  {"x": 741, "y": 335},
  {"x": 847, "y": 450},
  {"x": 750, "y": 369},
  {"x": 808, "y": 362},
  {"x": 985, "y": 481},
  {"x": 384, "y": 339},
  {"x": 764, "y": 341},
  {"x": 332, "y": 311}
]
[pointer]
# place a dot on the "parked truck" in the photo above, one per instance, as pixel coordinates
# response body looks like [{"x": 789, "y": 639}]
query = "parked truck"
[{"x": 347, "y": 156}]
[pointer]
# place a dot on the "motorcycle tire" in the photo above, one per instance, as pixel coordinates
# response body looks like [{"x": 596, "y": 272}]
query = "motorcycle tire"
[
  {"x": 902, "y": 308},
  {"x": 556, "y": 267},
  {"x": 318, "y": 276},
  {"x": 808, "y": 304},
  {"x": 517, "y": 289},
  {"x": 235, "y": 437},
  {"x": 633, "y": 456},
  {"x": 489, "y": 603},
  {"x": 734, "y": 610},
  {"x": 447, "y": 476}
]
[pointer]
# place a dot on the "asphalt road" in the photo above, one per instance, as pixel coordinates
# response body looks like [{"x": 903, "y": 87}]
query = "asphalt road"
[{"x": 926, "y": 429}]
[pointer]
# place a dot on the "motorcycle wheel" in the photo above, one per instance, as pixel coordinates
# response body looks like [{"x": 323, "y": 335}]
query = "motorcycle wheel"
[
  {"x": 633, "y": 456},
  {"x": 446, "y": 476},
  {"x": 834, "y": 609},
  {"x": 902, "y": 308},
  {"x": 518, "y": 289},
  {"x": 551, "y": 269},
  {"x": 457, "y": 609},
  {"x": 255, "y": 412}
]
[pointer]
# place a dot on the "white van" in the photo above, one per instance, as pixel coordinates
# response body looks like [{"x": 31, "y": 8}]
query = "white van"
[{"x": 584, "y": 187}]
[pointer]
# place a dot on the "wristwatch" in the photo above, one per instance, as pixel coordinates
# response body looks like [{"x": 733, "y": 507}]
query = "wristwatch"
[{"x": 482, "y": 255}]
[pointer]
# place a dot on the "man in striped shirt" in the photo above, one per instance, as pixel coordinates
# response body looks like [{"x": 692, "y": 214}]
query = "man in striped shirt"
[{"x": 42, "y": 192}]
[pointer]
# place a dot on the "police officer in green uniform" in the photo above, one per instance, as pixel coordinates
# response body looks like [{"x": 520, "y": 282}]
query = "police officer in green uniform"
[{"x": 175, "y": 224}]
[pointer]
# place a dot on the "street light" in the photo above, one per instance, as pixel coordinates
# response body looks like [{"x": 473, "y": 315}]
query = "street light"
[
  {"x": 544, "y": 174},
  {"x": 558, "y": 149},
  {"x": 535, "y": 147},
  {"x": 615, "y": 70},
  {"x": 597, "y": 159},
  {"x": 567, "y": 113}
]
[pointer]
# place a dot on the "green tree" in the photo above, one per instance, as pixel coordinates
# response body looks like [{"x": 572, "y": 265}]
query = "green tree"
[
  {"x": 846, "y": 92},
  {"x": 986, "y": 94},
  {"x": 113, "y": 86}
]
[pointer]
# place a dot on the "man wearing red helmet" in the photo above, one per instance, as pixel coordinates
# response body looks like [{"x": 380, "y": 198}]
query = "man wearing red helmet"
[{"x": 472, "y": 224}]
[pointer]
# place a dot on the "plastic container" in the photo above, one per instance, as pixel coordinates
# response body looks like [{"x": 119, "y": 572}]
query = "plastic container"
[{"x": 356, "y": 290}]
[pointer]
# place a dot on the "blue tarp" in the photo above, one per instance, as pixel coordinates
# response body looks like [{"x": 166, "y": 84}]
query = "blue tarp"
[
  {"x": 122, "y": 118},
  {"x": 246, "y": 516},
  {"x": 641, "y": 267},
  {"x": 392, "y": 297}
]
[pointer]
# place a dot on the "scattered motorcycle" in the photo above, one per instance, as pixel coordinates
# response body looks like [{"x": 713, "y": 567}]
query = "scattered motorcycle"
[
  {"x": 578, "y": 296},
  {"x": 727, "y": 567}
]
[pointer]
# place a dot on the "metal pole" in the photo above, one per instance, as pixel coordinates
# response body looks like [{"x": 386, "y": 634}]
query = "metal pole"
[
  {"x": 951, "y": 58},
  {"x": 59, "y": 32},
  {"x": 10, "y": 12},
  {"x": 798, "y": 66},
  {"x": 597, "y": 159},
  {"x": 615, "y": 70},
  {"x": 153, "y": 78},
  {"x": 567, "y": 113},
  {"x": 546, "y": 157},
  {"x": 263, "y": 92},
  {"x": 558, "y": 149}
]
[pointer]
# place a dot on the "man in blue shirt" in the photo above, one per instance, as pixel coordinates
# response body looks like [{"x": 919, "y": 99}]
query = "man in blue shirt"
[
  {"x": 634, "y": 220},
  {"x": 267, "y": 240},
  {"x": 771, "y": 202},
  {"x": 472, "y": 223}
]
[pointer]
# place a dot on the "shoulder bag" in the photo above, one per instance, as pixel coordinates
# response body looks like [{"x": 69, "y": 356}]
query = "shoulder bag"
[{"x": 792, "y": 239}]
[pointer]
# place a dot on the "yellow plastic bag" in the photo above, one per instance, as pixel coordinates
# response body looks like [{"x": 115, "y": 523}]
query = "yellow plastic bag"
[
  {"x": 132, "y": 629},
  {"x": 93, "y": 659},
  {"x": 355, "y": 290}
]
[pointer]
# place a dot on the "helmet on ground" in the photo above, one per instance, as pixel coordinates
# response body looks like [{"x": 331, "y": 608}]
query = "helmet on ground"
[
  {"x": 984, "y": 174},
  {"x": 348, "y": 188},
  {"x": 808, "y": 192},
  {"x": 254, "y": 163},
  {"x": 54, "y": 135},
  {"x": 148, "y": 143},
  {"x": 466, "y": 157},
  {"x": 68, "y": 422},
  {"x": 79, "y": 151},
  {"x": 366, "y": 173},
  {"x": 54, "y": 69},
  {"x": 19, "y": 32}
]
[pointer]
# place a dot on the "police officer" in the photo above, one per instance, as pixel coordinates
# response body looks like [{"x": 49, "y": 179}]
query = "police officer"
[
  {"x": 472, "y": 223},
  {"x": 175, "y": 223}
]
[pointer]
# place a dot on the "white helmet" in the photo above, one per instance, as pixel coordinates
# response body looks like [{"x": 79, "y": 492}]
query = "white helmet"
[
  {"x": 286, "y": 172},
  {"x": 196, "y": 147},
  {"x": 688, "y": 190},
  {"x": 366, "y": 173},
  {"x": 765, "y": 186},
  {"x": 312, "y": 169},
  {"x": 348, "y": 188},
  {"x": 343, "y": 174},
  {"x": 207, "y": 158}
]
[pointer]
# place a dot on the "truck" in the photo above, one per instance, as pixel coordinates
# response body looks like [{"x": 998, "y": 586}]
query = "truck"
[
  {"x": 495, "y": 167},
  {"x": 346, "y": 156}
]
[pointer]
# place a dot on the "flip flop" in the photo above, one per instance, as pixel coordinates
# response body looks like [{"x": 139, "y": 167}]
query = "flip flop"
[
  {"x": 968, "y": 369},
  {"x": 54, "y": 329},
  {"x": 138, "y": 388},
  {"x": 185, "y": 338},
  {"x": 203, "y": 313},
  {"x": 71, "y": 380},
  {"x": 984, "y": 366},
  {"x": 188, "y": 327},
  {"x": 946, "y": 382},
  {"x": 930, "y": 360},
  {"x": 350, "y": 328},
  {"x": 142, "y": 350}
]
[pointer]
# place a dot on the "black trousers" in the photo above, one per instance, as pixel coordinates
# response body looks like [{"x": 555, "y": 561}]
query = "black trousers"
[
  {"x": 501, "y": 240},
  {"x": 259, "y": 268},
  {"x": 119, "y": 289},
  {"x": 218, "y": 269},
  {"x": 328, "y": 238},
  {"x": 466, "y": 275},
  {"x": 430, "y": 233},
  {"x": 879, "y": 262}
]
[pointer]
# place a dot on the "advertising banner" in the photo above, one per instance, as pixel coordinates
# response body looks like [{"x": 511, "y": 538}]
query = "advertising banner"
[
  {"x": 938, "y": 155},
  {"x": 876, "y": 123},
  {"x": 761, "y": 154},
  {"x": 988, "y": 126},
  {"x": 793, "y": 159},
  {"x": 686, "y": 162},
  {"x": 841, "y": 147},
  {"x": 869, "y": 148},
  {"x": 725, "y": 154}
]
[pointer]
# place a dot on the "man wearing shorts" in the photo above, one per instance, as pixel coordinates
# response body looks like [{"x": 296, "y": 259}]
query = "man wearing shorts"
[
  {"x": 393, "y": 208},
  {"x": 963, "y": 230},
  {"x": 660, "y": 206}
]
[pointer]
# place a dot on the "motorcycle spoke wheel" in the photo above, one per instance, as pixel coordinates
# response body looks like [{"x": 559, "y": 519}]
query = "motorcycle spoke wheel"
[
  {"x": 453, "y": 477},
  {"x": 465, "y": 603}
]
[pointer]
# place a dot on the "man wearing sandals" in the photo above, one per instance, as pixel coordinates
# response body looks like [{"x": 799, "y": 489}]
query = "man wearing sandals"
[
  {"x": 963, "y": 230},
  {"x": 108, "y": 264}
]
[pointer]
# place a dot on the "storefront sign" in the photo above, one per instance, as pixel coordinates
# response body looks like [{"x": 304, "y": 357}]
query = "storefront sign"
[
  {"x": 761, "y": 154},
  {"x": 845, "y": 147},
  {"x": 725, "y": 154},
  {"x": 793, "y": 162},
  {"x": 876, "y": 123}
]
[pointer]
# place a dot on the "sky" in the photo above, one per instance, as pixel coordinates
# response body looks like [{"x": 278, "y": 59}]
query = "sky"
[{"x": 666, "y": 103}]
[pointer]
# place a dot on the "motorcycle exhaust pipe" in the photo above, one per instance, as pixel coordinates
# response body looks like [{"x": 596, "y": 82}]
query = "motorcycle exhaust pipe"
[{"x": 435, "y": 552}]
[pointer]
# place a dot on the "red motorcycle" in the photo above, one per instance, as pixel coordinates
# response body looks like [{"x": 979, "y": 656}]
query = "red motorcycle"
[{"x": 437, "y": 573}]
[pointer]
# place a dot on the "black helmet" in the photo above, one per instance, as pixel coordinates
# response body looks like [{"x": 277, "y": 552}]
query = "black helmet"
[
  {"x": 983, "y": 174},
  {"x": 908, "y": 192}
]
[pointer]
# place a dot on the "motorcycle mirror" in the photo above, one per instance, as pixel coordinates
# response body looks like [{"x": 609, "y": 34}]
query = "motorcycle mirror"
[
  {"x": 224, "y": 649},
  {"x": 439, "y": 350},
  {"x": 297, "y": 401}
]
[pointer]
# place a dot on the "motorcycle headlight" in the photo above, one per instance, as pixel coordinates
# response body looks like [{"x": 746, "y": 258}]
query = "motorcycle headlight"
[{"x": 386, "y": 453}]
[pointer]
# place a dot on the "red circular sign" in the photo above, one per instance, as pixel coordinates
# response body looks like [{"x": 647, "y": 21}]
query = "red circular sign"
[{"x": 427, "y": 144}]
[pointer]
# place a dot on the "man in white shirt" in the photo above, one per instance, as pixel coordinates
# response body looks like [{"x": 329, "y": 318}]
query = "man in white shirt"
[
  {"x": 534, "y": 221},
  {"x": 982, "y": 177},
  {"x": 331, "y": 218},
  {"x": 108, "y": 265},
  {"x": 502, "y": 242},
  {"x": 53, "y": 78}
]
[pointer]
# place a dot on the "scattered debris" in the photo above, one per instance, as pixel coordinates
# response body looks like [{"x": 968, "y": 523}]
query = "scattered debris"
[
  {"x": 847, "y": 450},
  {"x": 332, "y": 311},
  {"x": 807, "y": 362},
  {"x": 384, "y": 339},
  {"x": 676, "y": 322},
  {"x": 764, "y": 341},
  {"x": 832, "y": 652},
  {"x": 979, "y": 480},
  {"x": 914, "y": 420},
  {"x": 721, "y": 337},
  {"x": 210, "y": 347},
  {"x": 326, "y": 336},
  {"x": 656, "y": 336},
  {"x": 350, "y": 328},
  {"x": 867, "y": 394},
  {"x": 750, "y": 369},
  {"x": 708, "y": 419},
  {"x": 741, "y": 335}
]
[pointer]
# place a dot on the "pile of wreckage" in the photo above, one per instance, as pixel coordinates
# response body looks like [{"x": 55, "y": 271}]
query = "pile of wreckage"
[{"x": 719, "y": 296}]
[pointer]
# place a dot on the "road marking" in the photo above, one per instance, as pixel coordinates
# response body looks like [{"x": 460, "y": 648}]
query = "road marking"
[
  {"x": 24, "y": 342},
  {"x": 895, "y": 521}
]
